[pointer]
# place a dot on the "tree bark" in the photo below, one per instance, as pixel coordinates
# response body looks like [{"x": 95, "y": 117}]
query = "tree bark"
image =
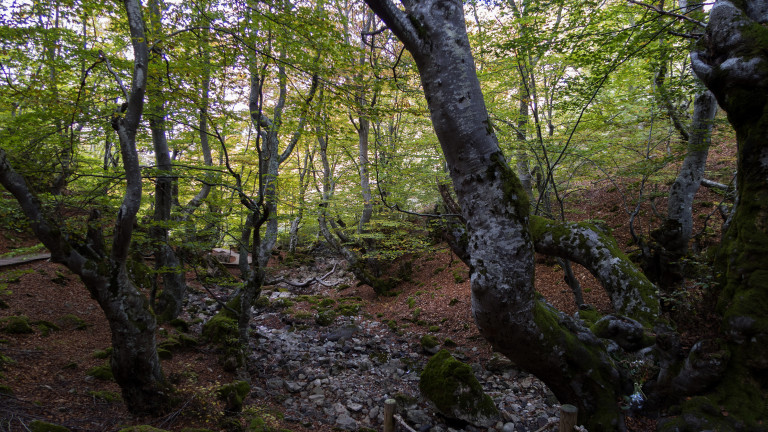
[
  {"x": 631, "y": 293},
  {"x": 565, "y": 355},
  {"x": 731, "y": 61}
]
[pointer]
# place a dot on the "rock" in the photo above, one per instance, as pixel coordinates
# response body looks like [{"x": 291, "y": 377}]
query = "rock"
[
  {"x": 498, "y": 363},
  {"x": 508, "y": 427},
  {"x": 354, "y": 407},
  {"x": 418, "y": 417},
  {"x": 345, "y": 422},
  {"x": 451, "y": 386},
  {"x": 275, "y": 384},
  {"x": 342, "y": 333},
  {"x": 294, "y": 387}
]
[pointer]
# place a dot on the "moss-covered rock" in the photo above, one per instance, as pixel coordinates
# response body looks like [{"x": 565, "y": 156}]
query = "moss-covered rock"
[
  {"x": 17, "y": 325},
  {"x": 430, "y": 344},
  {"x": 232, "y": 395},
  {"x": 222, "y": 330},
  {"x": 41, "y": 426},
  {"x": 451, "y": 386}
]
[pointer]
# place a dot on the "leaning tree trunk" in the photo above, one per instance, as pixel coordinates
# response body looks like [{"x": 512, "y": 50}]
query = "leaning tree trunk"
[
  {"x": 733, "y": 63},
  {"x": 135, "y": 363},
  {"x": 565, "y": 355}
]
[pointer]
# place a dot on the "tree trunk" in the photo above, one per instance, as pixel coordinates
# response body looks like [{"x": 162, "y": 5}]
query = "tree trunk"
[
  {"x": 631, "y": 293},
  {"x": 675, "y": 234},
  {"x": 565, "y": 355},
  {"x": 167, "y": 263},
  {"x": 731, "y": 60}
]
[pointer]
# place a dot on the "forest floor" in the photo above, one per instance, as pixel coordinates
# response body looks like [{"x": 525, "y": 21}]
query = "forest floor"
[{"x": 48, "y": 376}]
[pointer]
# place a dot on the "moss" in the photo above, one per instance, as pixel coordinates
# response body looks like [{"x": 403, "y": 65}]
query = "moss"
[
  {"x": 103, "y": 372},
  {"x": 350, "y": 309},
  {"x": 177, "y": 342},
  {"x": 46, "y": 327},
  {"x": 164, "y": 354},
  {"x": 106, "y": 396},
  {"x": 5, "y": 389},
  {"x": 282, "y": 303},
  {"x": 222, "y": 330},
  {"x": 642, "y": 290},
  {"x": 587, "y": 364},
  {"x": 434, "y": 328},
  {"x": 17, "y": 325},
  {"x": 301, "y": 315},
  {"x": 72, "y": 321},
  {"x": 326, "y": 303},
  {"x": 458, "y": 277},
  {"x": 142, "y": 428},
  {"x": 392, "y": 324},
  {"x": 325, "y": 318},
  {"x": 180, "y": 324},
  {"x": 449, "y": 343},
  {"x": 102, "y": 354},
  {"x": 429, "y": 341},
  {"x": 514, "y": 193},
  {"x": 452, "y": 387},
  {"x": 590, "y": 315},
  {"x": 232, "y": 395},
  {"x": 41, "y": 426}
]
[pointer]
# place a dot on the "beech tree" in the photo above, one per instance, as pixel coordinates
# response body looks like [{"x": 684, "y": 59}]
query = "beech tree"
[
  {"x": 558, "y": 349},
  {"x": 732, "y": 62},
  {"x": 103, "y": 266}
]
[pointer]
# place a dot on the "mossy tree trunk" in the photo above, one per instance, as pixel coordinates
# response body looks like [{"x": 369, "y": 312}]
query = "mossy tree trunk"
[
  {"x": 631, "y": 293},
  {"x": 732, "y": 60},
  {"x": 564, "y": 354},
  {"x": 134, "y": 360}
]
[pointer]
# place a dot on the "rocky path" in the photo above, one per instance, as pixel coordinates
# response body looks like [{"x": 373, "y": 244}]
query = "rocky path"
[{"x": 337, "y": 376}]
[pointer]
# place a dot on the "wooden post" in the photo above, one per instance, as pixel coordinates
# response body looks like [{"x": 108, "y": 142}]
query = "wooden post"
[
  {"x": 568, "y": 415},
  {"x": 389, "y": 415}
]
